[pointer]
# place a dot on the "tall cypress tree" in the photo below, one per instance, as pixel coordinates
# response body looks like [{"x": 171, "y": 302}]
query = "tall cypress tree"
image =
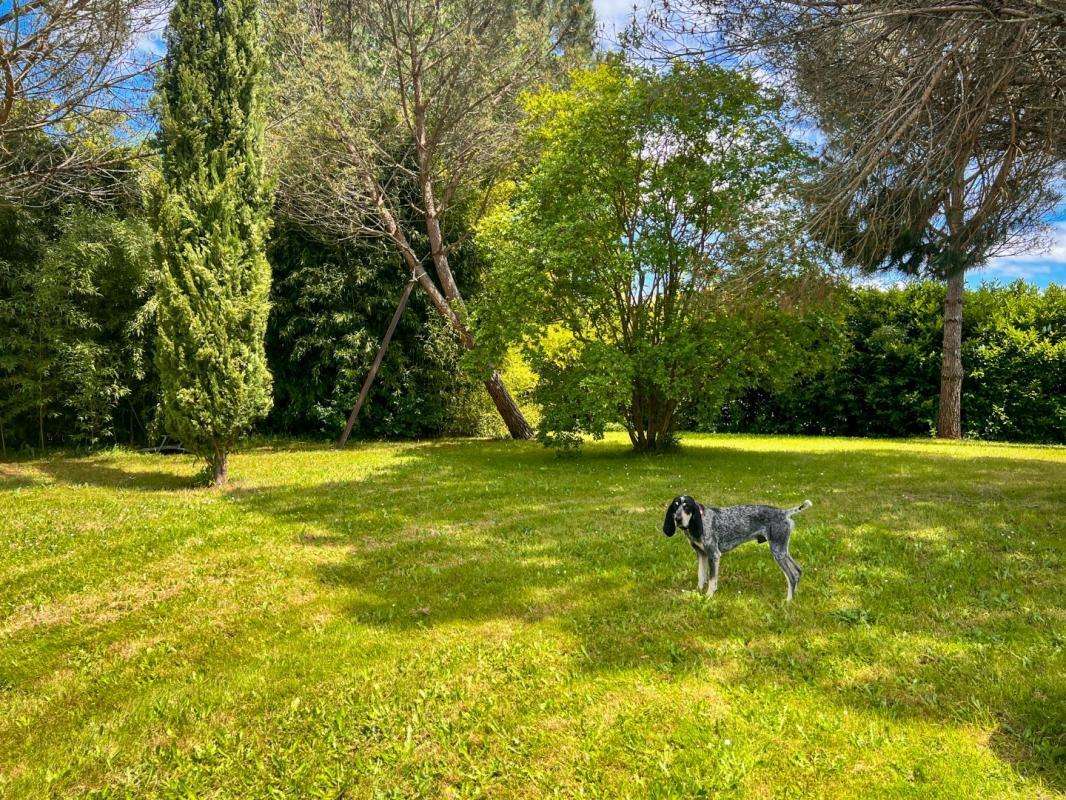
[{"x": 212, "y": 223}]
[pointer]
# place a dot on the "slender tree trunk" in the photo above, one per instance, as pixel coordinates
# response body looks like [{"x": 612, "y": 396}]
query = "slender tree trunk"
[
  {"x": 365, "y": 390},
  {"x": 220, "y": 469},
  {"x": 512, "y": 416},
  {"x": 949, "y": 419},
  {"x": 40, "y": 424},
  {"x": 3, "y": 442}
]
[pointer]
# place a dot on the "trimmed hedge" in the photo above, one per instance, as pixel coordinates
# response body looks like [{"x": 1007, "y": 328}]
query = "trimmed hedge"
[{"x": 885, "y": 377}]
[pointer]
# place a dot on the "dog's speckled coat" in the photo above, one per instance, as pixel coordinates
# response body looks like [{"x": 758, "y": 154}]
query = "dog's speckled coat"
[{"x": 712, "y": 531}]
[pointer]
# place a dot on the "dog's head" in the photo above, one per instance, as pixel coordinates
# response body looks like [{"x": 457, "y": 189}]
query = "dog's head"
[{"x": 683, "y": 512}]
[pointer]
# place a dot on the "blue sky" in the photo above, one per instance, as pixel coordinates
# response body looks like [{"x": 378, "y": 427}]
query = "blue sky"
[{"x": 1040, "y": 266}]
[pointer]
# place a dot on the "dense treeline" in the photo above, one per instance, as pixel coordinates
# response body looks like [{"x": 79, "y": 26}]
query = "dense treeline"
[
  {"x": 75, "y": 333},
  {"x": 77, "y": 330},
  {"x": 888, "y": 355},
  {"x": 76, "y": 322},
  {"x": 564, "y": 210}
]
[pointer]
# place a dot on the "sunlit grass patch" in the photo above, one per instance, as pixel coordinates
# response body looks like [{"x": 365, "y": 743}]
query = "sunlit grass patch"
[{"x": 483, "y": 619}]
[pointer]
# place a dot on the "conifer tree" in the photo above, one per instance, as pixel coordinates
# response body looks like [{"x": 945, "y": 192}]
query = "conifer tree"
[{"x": 212, "y": 222}]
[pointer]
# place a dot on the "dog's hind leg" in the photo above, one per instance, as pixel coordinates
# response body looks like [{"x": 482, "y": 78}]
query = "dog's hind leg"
[
  {"x": 788, "y": 566},
  {"x": 796, "y": 569}
]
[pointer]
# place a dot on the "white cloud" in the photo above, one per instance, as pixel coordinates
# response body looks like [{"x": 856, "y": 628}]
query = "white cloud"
[
  {"x": 617, "y": 10},
  {"x": 614, "y": 15},
  {"x": 151, "y": 27},
  {"x": 1040, "y": 267}
]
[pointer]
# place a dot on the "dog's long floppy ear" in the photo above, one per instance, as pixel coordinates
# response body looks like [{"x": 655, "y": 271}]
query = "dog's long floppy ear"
[
  {"x": 669, "y": 527},
  {"x": 695, "y": 525}
]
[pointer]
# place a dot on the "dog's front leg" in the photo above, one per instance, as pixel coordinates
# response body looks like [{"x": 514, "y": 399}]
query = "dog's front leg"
[
  {"x": 702, "y": 568},
  {"x": 712, "y": 585}
]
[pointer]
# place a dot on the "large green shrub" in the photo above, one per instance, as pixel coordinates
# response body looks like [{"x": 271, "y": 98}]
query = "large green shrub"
[
  {"x": 887, "y": 361},
  {"x": 74, "y": 349},
  {"x": 331, "y": 304}
]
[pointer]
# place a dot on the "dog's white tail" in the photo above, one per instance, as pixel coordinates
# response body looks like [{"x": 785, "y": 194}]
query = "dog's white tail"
[{"x": 801, "y": 507}]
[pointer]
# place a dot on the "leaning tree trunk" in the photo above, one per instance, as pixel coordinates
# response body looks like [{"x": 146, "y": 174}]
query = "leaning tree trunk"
[
  {"x": 512, "y": 416},
  {"x": 949, "y": 419}
]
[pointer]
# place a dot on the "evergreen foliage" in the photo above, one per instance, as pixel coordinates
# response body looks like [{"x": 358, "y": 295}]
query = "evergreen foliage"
[
  {"x": 330, "y": 305},
  {"x": 212, "y": 222},
  {"x": 888, "y": 355}
]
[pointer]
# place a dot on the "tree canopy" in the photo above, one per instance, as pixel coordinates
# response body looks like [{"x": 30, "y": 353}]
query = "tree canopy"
[{"x": 644, "y": 257}]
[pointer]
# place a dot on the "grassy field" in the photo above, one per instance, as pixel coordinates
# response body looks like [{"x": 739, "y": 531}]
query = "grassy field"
[{"x": 483, "y": 619}]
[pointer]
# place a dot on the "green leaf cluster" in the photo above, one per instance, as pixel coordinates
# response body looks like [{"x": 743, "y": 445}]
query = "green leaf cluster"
[{"x": 74, "y": 340}]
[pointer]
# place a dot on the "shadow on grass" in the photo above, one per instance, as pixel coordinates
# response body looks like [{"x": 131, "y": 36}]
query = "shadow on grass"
[
  {"x": 906, "y": 579},
  {"x": 9, "y": 482},
  {"x": 1032, "y": 737},
  {"x": 93, "y": 472},
  {"x": 931, "y": 582}
]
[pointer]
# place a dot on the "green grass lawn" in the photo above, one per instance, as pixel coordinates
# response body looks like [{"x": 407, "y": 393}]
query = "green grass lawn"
[{"x": 483, "y": 619}]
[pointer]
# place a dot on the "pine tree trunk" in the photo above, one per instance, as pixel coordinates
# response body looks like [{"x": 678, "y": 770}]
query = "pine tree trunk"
[
  {"x": 509, "y": 411},
  {"x": 949, "y": 420},
  {"x": 505, "y": 404},
  {"x": 40, "y": 424},
  {"x": 512, "y": 416}
]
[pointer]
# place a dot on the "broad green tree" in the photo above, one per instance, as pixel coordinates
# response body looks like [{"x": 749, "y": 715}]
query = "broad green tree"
[
  {"x": 646, "y": 258},
  {"x": 212, "y": 221},
  {"x": 944, "y": 129}
]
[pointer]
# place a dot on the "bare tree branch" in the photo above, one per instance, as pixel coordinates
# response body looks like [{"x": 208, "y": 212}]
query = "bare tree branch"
[{"x": 71, "y": 70}]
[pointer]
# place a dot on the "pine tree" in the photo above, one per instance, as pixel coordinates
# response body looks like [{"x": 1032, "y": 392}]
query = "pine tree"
[{"x": 212, "y": 223}]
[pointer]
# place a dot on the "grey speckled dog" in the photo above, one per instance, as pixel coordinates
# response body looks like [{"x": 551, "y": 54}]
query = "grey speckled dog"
[{"x": 713, "y": 531}]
